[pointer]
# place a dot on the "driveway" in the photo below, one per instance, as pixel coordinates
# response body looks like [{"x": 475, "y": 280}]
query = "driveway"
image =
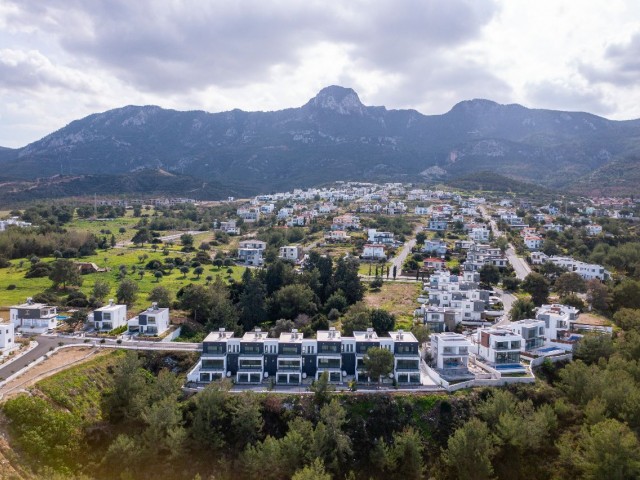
[{"x": 519, "y": 264}]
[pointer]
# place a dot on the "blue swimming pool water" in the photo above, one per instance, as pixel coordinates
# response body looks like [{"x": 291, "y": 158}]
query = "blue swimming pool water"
[
  {"x": 509, "y": 367},
  {"x": 62, "y": 317},
  {"x": 547, "y": 349}
]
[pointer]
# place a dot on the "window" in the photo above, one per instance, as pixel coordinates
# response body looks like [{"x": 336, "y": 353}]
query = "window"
[
  {"x": 288, "y": 349},
  {"x": 151, "y": 320},
  {"x": 213, "y": 364}
]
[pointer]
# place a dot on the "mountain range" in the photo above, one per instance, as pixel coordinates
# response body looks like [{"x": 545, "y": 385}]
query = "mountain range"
[{"x": 333, "y": 136}]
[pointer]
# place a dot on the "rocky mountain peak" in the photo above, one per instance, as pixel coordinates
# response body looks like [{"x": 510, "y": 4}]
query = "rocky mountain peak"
[{"x": 344, "y": 101}]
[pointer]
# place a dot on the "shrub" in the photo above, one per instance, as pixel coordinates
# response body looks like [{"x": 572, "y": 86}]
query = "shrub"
[{"x": 11, "y": 286}]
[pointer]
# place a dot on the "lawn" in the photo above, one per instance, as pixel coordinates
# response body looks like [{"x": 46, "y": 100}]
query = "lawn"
[
  {"x": 364, "y": 268},
  {"x": 397, "y": 298},
  {"x": 112, "y": 259}
]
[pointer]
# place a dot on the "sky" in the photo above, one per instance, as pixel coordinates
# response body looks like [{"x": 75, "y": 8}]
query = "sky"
[{"x": 61, "y": 60}]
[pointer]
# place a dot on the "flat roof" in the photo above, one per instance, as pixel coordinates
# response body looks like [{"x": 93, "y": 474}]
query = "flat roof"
[
  {"x": 255, "y": 336},
  {"x": 109, "y": 307},
  {"x": 402, "y": 336},
  {"x": 218, "y": 336},
  {"x": 366, "y": 336},
  {"x": 291, "y": 337},
  {"x": 328, "y": 335},
  {"x": 33, "y": 305}
]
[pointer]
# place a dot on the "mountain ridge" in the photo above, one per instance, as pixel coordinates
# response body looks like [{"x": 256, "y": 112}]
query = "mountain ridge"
[{"x": 334, "y": 136}]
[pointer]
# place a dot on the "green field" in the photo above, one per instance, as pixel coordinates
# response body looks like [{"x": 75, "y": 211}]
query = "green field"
[{"x": 111, "y": 259}]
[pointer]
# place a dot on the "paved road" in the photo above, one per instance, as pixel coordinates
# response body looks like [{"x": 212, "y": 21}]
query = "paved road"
[
  {"x": 519, "y": 264},
  {"x": 404, "y": 252},
  {"x": 47, "y": 343},
  {"x": 507, "y": 302}
]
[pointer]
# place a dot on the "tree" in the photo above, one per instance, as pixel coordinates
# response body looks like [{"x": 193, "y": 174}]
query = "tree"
[
  {"x": 127, "y": 291},
  {"x": 470, "y": 450},
  {"x": 608, "y": 450},
  {"x": 210, "y": 416},
  {"x": 592, "y": 347},
  {"x": 184, "y": 270},
  {"x": 502, "y": 243},
  {"x": 404, "y": 458},
  {"x": 247, "y": 422},
  {"x": 627, "y": 294},
  {"x": 550, "y": 247},
  {"x": 627, "y": 319},
  {"x": 378, "y": 362},
  {"x": 382, "y": 321},
  {"x": 510, "y": 283},
  {"x": 198, "y": 271},
  {"x": 292, "y": 300},
  {"x": 537, "y": 286},
  {"x": 252, "y": 303},
  {"x": 347, "y": 279},
  {"x": 521, "y": 310},
  {"x": 421, "y": 332},
  {"x": 322, "y": 389},
  {"x": 142, "y": 236},
  {"x": 569, "y": 283},
  {"x": 420, "y": 238},
  {"x": 161, "y": 295},
  {"x": 489, "y": 275},
  {"x": 113, "y": 241},
  {"x": 127, "y": 396},
  {"x": 187, "y": 241},
  {"x": 158, "y": 274},
  {"x": 336, "y": 301},
  {"x": 314, "y": 471},
  {"x": 376, "y": 283},
  {"x": 65, "y": 272},
  {"x": 357, "y": 321},
  {"x": 598, "y": 295},
  {"x": 100, "y": 289}
]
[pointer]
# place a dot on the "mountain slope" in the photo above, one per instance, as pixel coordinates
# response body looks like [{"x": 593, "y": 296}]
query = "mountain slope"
[{"x": 333, "y": 136}]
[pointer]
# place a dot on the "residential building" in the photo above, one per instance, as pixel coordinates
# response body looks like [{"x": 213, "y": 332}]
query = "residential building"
[
  {"x": 498, "y": 346},
  {"x": 7, "y": 336},
  {"x": 450, "y": 353},
  {"x": 422, "y": 210},
  {"x": 373, "y": 251},
  {"x": 383, "y": 238},
  {"x": 533, "y": 242},
  {"x": 230, "y": 227},
  {"x": 531, "y": 331},
  {"x": 437, "y": 225},
  {"x": 346, "y": 222},
  {"x": 249, "y": 215},
  {"x": 292, "y": 359},
  {"x": 109, "y": 317},
  {"x": 291, "y": 252},
  {"x": 479, "y": 234},
  {"x": 434, "y": 263},
  {"x": 557, "y": 319},
  {"x": 435, "y": 247},
  {"x": 250, "y": 252},
  {"x": 337, "y": 236},
  {"x": 33, "y": 317},
  {"x": 593, "y": 229},
  {"x": 153, "y": 321}
]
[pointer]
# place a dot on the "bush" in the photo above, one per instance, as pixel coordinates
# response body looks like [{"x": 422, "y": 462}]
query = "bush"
[{"x": 11, "y": 286}]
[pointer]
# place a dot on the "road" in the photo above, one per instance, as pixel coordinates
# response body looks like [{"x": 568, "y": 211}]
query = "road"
[
  {"x": 520, "y": 266},
  {"x": 507, "y": 302},
  {"x": 404, "y": 252},
  {"x": 47, "y": 343}
]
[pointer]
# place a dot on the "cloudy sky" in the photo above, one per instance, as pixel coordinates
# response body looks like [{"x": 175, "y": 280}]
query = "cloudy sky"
[{"x": 63, "y": 59}]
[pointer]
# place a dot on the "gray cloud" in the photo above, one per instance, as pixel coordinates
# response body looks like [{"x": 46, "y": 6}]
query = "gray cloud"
[
  {"x": 169, "y": 47},
  {"x": 620, "y": 66},
  {"x": 562, "y": 96},
  {"x": 30, "y": 70}
]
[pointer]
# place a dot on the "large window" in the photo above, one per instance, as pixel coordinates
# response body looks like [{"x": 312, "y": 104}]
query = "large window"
[
  {"x": 214, "y": 348},
  {"x": 251, "y": 349},
  {"x": 288, "y": 364},
  {"x": 507, "y": 357},
  {"x": 407, "y": 349},
  {"x": 329, "y": 348},
  {"x": 328, "y": 363},
  {"x": 212, "y": 364},
  {"x": 289, "y": 350},
  {"x": 407, "y": 365},
  {"x": 251, "y": 364}
]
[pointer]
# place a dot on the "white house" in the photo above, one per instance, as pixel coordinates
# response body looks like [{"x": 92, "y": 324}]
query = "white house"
[
  {"x": 153, "y": 321},
  {"x": 557, "y": 319},
  {"x": 374, "y": 236},
  {"x": 531, "y": 331},
  {"x": 593, "y": 229},
  {"x": 7, "y": 336},
  {"x": 250, "y": 252},
  {"x": 291, "y": 252},
  {"x": 33, "y": 317},
  {"x": 249, "y": 215},
  {"x": 230, "y": 227},
  {"x": 372, "y": 250},
  {"x": 346, "y": 222},
  {"x": 337, "y": 236},
  {"x": 533, "y": 242},
  {"x": 422, "y": 210},
  {"x": 450, "y": 352},
  {"x": 109, "y": 317},
  {"x": 479, "y": 234},
  {"x": 499, "y": 346}
]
